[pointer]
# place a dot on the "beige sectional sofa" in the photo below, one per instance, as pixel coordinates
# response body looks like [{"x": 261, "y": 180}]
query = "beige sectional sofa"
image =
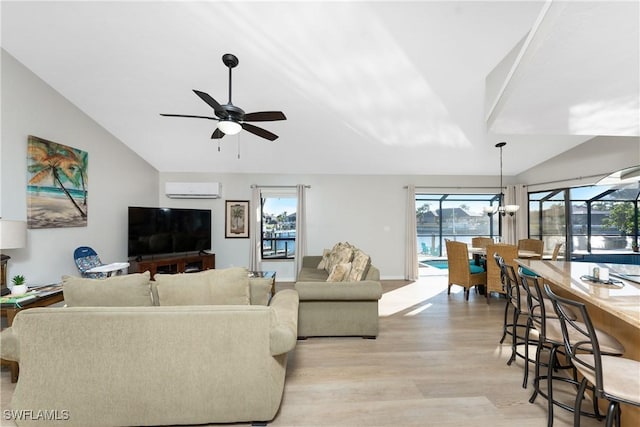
[
  {"x": 177, "y": 354},
  {"x": 345, "y": 307}
]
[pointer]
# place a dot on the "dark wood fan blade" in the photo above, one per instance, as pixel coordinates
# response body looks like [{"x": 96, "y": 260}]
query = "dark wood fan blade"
[
  {"x": 217, "y": 134},
  {"x": 186, "y": 115},
  {"x": 220, "y": 112},
  {"x": 264, "y": 116},
  {"x": 259, "y": 131}
]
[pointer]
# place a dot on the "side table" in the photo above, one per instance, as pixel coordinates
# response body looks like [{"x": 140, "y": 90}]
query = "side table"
[
  {"x": 268, "y": 275},
  {"x": 52, "y": 295}
]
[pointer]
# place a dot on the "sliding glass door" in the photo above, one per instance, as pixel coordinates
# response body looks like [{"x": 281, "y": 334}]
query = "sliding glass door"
[{"x": 457, "y": 217}]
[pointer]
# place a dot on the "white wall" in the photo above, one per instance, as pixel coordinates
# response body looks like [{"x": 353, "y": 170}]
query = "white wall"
[
  {"x": 365, "y": 210},
  {"x": 117, "y": 177}
]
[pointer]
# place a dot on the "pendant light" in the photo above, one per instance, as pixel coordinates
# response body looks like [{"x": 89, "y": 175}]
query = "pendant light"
[{"x": 502, "y": 209}]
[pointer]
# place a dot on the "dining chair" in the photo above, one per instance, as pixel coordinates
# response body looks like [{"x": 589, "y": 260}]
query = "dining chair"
[
  {"x": 533, "y": 245},
  {"x": 615, "y": 379},
  {"x": 556, "y": 251},
  {"x": 481, "y": 242},
  {"x": 542, "y": 317},
  {"x": 495, "y": 282},
  {"x": 462, "y": 272}
]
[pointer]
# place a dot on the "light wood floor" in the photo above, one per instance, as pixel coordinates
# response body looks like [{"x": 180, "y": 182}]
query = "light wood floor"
[{"x": 436, "y": 362}]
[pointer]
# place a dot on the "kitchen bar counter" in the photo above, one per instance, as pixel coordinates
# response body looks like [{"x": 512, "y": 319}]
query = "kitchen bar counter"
[
  {"x": 621, "y": 300},
  {"x": 613, "y": 308}
]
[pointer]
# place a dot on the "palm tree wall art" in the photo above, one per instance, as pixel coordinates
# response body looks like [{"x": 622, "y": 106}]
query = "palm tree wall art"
[
  {"x": 236, "y": 219},
  {"x": 57, "y": 185}
]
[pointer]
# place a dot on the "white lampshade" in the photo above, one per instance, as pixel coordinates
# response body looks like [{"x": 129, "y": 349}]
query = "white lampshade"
[
  {"x": 13, "y": 234},
  {"x": 229, "y": 127},
  {"x": 511, "y": 209},
  {"x": 489, "y": 210}
]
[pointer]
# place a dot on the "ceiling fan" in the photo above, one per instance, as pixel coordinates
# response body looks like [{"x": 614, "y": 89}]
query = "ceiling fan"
[{"x": 232, "y": 119}]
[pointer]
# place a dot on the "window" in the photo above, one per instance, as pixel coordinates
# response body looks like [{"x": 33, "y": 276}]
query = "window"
[
  {"x": 278, "y": 236},
  {"x": 453, "y": 216},
  {"x": 547, "y": 217},
  {"x": 593, "y": 219}
]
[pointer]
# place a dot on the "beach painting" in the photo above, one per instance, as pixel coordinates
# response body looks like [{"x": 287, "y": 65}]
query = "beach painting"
[{"x": 57, "y": 185}]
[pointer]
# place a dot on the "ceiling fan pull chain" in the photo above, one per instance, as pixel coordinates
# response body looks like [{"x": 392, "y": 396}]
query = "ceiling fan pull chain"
[
  {"x": 218, "y": 146},
  {"x": 238, "y": 146}
]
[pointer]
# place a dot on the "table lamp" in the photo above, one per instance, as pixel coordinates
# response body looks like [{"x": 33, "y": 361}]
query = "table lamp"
[{"x": 13, "y": 235}]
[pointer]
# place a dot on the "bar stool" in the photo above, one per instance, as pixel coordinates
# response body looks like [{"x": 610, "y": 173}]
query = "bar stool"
[
  {"x": 531, "y": 335},
  {"x": 516, "y": 302},
  {"x": 584, "y": 350},
  {"x": 543, "y": 318}
]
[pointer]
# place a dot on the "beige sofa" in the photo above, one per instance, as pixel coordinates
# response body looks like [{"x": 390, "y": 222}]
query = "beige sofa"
[
  {"x": 337, "y": 308},
  {"x": 144, "y": 364}
]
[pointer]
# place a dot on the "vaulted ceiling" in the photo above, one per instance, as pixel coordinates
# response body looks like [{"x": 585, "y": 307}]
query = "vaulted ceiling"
[{"x": 416, "y": 87}]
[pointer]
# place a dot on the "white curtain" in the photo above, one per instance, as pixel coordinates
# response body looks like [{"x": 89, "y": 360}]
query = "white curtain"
[
  {"x": 522, "y": 216},
  {"x": 411, "y": 251},
  {"x": 255, "y": 228},
  {"x": 509, "y": 222},
  {"x": 301, "y": 227}
]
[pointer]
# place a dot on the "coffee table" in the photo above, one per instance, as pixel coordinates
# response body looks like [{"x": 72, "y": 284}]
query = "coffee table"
[{"x": 50, "y": 295}]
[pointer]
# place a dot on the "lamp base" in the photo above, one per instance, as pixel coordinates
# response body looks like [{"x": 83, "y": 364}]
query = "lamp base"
[{"x": 3, "y": 271}]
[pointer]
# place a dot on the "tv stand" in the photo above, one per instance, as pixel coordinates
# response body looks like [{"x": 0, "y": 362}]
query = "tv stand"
[{"x": 172, "y": 264}]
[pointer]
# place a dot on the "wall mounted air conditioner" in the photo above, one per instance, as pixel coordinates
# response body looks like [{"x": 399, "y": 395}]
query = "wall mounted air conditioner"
[{"x": 192, "y": 190}]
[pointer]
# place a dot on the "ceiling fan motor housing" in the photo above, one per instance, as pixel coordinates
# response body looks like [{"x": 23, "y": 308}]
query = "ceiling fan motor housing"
[{"x": 233, "y": 112}]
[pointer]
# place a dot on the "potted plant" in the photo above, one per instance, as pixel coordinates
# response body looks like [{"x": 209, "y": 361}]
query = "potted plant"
[{"x": 19, "y": 286}]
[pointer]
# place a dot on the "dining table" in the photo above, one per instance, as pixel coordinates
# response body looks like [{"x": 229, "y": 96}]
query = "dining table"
[
  {"x": 480, "y": 254},
  {"x": 613, "y": 305},
  {"x": 521, "y": 253}
]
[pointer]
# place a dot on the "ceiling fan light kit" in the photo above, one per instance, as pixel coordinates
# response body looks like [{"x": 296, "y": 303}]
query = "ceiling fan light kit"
[
  {"x": 232, "y": 119},
  {"x": 229, "y": 127}
]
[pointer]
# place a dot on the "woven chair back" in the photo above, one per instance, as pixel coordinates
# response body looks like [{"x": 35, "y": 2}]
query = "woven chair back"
[
  {"x": 508, "y": 254},
  {"x": 481, "y": 242},
  {"x": 533, "y": 245},
  {"x": 458, "y": 262}
]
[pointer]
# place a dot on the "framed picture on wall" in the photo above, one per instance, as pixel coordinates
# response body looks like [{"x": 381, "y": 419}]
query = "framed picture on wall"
[
  {"x": 236, "y": 219},
  {"x": 57, "y": 185}
]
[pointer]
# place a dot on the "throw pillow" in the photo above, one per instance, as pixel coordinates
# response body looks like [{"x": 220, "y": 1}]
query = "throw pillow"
[
  {"x": 325, "y": 259},
  {"x": 341, "y": 253},
  {"x": 210, "y": 287},
  {"x": 359, "y": 266},
  {"x": 128, "y": 290},
  {"x": 339, "y": 272}
]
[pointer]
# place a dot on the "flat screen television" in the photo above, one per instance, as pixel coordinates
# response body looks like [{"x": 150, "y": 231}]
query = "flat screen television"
[{"x": 164, "y": 231}]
